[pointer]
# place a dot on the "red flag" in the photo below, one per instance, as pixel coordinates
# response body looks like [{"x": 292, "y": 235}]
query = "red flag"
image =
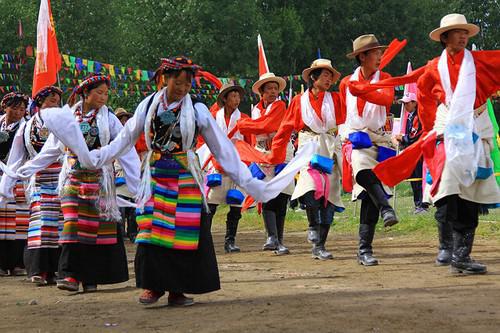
[
  {"x": 263, "y": 68},
  {"x": 48, "y": 58}
]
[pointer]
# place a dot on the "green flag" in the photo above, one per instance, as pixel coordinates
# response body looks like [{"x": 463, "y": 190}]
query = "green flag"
[{"x": 495, "y": 153}]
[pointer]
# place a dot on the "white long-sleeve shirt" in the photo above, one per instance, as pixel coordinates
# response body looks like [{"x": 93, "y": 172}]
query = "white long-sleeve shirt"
[
  {"x": 65, "y": 131},
  {"x": 218, "y": 143}
]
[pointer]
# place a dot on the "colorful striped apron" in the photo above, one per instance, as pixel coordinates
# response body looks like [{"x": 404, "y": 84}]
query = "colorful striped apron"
[
  {"x": 46, "y": 219},
  {"x": 14, "y": 217},
  {"x": 80, "y": 201},
  {"x": 171, "y": 217}
]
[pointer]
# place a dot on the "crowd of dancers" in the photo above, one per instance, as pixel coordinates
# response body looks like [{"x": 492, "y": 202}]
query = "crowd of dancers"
[{"x": 69, "y": 171}]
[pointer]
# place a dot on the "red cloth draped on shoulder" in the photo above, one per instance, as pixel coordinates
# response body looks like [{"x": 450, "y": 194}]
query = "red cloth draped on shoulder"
[
  {"x": 293, "y": 121},
  {"x": 267, "y": 123},
  {"x": 384, "y": 97},
  {"x": 365, "y": 93},
  {"x": 430, "y": 94}
]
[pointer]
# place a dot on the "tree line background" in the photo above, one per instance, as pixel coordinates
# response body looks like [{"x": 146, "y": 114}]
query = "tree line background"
[{"x": 222, "y": 35}]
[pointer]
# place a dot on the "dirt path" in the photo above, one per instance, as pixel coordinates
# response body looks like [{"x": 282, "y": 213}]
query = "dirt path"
[{"x": 264, "y": 293}]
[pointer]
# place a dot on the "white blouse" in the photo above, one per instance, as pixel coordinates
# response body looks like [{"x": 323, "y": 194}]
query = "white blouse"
[
  {"x": 65, "y": 132},
  {"x": 218, "y": 143}
]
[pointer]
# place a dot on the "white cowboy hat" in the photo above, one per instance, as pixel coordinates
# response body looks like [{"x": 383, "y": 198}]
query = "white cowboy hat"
[
  {"x": 320, "y": 63},
  {"x": 408, "y": 97},
  {"x": 268, "y": 77},
  {"x": 451, "y": 22},
  {"x": 365, "y": 43}
]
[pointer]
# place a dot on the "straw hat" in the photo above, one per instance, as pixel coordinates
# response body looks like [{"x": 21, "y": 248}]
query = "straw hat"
[
  {"x": 364, "y": 43},
  {"x": 226, "y": 89},
  {"x": 268, "y": 77},
  {"x": 121, "y": 112},
  {"x": 320, "y": 63},
  {"x": 453, "y": 21},
  {"x": 408, "y": 97}
]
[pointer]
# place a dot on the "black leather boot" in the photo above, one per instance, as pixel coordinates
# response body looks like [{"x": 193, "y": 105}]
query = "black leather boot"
[
  {"x": 272, "y": 232},
  {"x": 445, "y": 233},
  {"x": 280, "y": 226},
  {"x": 369, "y": 181},
  {"x": 313, "y": 230},
  {"x": 365, "y": 253},
  {"x": 233, "y": 218},
  {"x": 461, "y": 262},
  {"x": 319, "y": 251}
]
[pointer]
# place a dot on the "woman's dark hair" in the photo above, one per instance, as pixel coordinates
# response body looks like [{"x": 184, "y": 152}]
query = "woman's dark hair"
[
  {"x": 16, "y": 101},
  {"x": 73, "y": 99},
  {"x": 173, "y": 67},
  {"x": 177, "y": 72},
  {"x": 93, "y": 86},
  {"x": 159, "y": 80},
  {"x": 443, "y": 35}
]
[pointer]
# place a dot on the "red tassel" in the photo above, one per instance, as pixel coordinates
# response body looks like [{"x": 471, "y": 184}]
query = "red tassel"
[{"x": 247, "y": 203}]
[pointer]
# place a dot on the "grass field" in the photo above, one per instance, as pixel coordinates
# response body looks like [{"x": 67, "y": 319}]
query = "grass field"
[{"x": 347, "y": 222}]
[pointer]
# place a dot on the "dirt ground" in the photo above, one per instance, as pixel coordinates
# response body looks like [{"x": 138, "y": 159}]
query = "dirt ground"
[{"x": 265, "y": 293}]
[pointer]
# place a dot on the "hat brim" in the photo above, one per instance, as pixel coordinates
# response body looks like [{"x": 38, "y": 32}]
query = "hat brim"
[
  {"x": 352, "y": 55},
  {"x": 124, "y": 114},
  {"x": 435, "y": 34},
  {"x": 280, "y": 81},
  {"x": 307, "y": 72},
  {"x": 405, "y": 100},
  {"x": 226, "y": 91}
]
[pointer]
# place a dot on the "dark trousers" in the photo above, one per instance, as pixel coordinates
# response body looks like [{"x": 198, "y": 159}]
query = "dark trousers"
[
  {"x": 416, "y": 186},
  {"x": 278, "y": 205},
  {"x": 369, "y": 212},
  {"x": 129, "y": 222},
  {"x": 463, "y": 215},
  {"x": 326, "y": 213},
  {"x": 274, "y": 215},
  {"x": 232, "y": 219}
]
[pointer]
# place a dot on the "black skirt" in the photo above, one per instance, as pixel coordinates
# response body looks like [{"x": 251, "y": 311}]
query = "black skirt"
[
  {"x": 42, "y": 260},
  {"x": 193, "y": 272},
  {"x": 11, "y": 254},
  {"x": 95, "y": 264}
]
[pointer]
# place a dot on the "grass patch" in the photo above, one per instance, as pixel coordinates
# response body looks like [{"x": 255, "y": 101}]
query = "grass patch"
[{"x": 419, "y": 226}]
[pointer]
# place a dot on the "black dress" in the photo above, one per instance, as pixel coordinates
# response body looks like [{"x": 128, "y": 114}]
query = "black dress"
[
  {"x": 11, "y": 251},
  {"x": 162, "y": 269}
]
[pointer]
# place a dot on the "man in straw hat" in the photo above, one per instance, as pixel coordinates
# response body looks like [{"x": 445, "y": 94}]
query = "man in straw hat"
[
  {"x": 226, "y": 116},
  {"x": 266, "y": 119},
  {"x": 316, "y": 115},
  {"x": 123, "y": 115},
  {"x": 453, "y": 90},
  {"x": 366, "y": 117}
]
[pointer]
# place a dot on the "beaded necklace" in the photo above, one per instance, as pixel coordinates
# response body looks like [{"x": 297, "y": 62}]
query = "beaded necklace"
[
  {"x": 170, "y": 118},
  {"x": 87, "y": 125},
  {"x": 5, "y": 129}
]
